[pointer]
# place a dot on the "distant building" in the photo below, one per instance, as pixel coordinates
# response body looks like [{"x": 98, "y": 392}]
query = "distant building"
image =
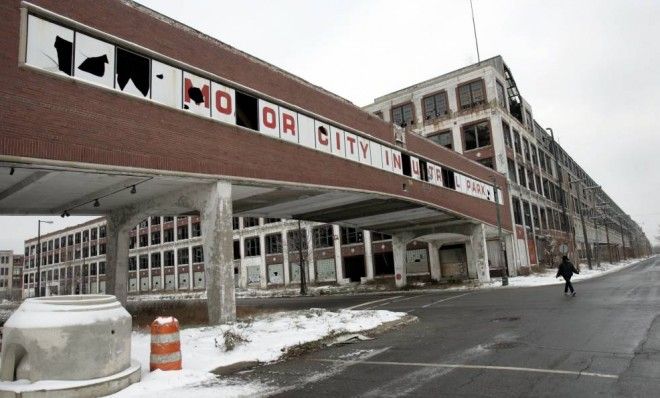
[{"x": 7, "y": 265}]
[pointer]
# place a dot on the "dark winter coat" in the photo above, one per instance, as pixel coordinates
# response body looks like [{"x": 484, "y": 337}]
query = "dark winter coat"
[{"x": 566, "y": 269}]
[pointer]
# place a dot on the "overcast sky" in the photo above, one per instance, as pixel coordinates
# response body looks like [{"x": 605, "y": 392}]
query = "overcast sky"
[{"x": 589, "y": 69}]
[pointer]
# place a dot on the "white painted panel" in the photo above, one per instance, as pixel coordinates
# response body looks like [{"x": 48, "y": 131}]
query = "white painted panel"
[
  {"x": 351, "y": 146},
  {"x": 224, "y": 103},
  {"x": 199, "y": 280},
  {"x": 337, "y": 140},
  {"x": 132, "y": 73},
  {"x": 184, "y": 283},
  {"x": 376, "y": 155},
  {"x": 397, "y": 163},
  {"x": 169, "y": 282},
  {"x": 269, "y": 119},
  {"x": 289, "y": 130},
  {"x": 414, "y": 168},
  {"x": 166, "y": 84},
  {"x": 322, "y": 136},
  {"x": 307, "y": 131},
  {"x": 276, "y": 273},
  {"x": 196, "y": 94},
  {"x": 364, "y": 150},
  {"x": 94, "y": 60},
  {"x": 45, "y": 50},
  {"x": 253, "y": 274},
  {"x": 386, "y": 156},
  {"x": 435, "y": 174},
  {"x": 326, "y": 270}
]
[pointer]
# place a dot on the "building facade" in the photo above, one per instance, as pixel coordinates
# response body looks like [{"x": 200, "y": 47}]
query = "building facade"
[
  {"x": 479, "y": 112},
  {"x": 166, "y": 255},
  {"x": 10, "y": 264}
]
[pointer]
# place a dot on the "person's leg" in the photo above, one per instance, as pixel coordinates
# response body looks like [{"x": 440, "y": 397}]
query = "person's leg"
[
  {"x": 570, "y": 286},
  {"x": 566, "y": 285}
]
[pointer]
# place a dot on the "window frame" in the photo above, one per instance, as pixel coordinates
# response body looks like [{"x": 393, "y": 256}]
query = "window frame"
[
  {"x": 472, "y": 103},
  {"x": 433, "y": 95},
  {"x": 474, "y": 124},
  {"x": 401, "y": 105}
]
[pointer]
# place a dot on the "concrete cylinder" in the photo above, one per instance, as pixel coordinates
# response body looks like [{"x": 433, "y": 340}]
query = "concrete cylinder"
[{"x": 66, "y": 338}]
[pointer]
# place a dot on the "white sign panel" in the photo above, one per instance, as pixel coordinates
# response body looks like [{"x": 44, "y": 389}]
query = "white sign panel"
[
  {"x": 289, "y": 125},
  {"x": 307, "y": 131},
  {"x": 196, "y": 94},
  {"x": 415, "y": 170},
  {"x": 322, "y": 136},
  {"x": 166, "y": 84},
  {"x": 224, "y": 103},
  {"x": 397, "y": 162},
  {"x": 269, "y": 119},
  {"x": 364, "y": 150},
  {"x": 95, "y": 60},
  {"x": 337, "y": 140},
  {"x": 351, "y": 147},
  {"x": 49, "y": 46},
  {"x": 132, "y": 73}
]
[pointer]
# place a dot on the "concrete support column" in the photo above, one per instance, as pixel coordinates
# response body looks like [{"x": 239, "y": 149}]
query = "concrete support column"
[
  {"x": 339, "y": 262},
  {"x": 399, "y": 242},
  {"x": 118, "y": 226},
  {"x": 242, "y": 270},
  {"x": 285, "y": 257},
  {"x": 368, "y": 255},
  {"x": 263, "y": 274},
  {"x": 217, "y": 239},
  {"x": 477, "y": 254},
  {"x": 510, "y": 254},
  {"x": 434, "y": 261},
  {"x": 311, "y": 273}
]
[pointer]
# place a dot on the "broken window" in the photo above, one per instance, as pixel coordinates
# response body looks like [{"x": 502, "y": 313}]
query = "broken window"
[
  {"x": 144, "y": 240},
  {"x": 155, "y": 238},
  {"x": 448, "y": 178},
  {"x": 250, "y": 222},
  {"x": 530, "y": 179},
  {"x": 535, "y": 158},
  {"x": 529, "y": 122},
  {"x": 476, "y": 135},
  {"x": 526, "y": 148},
  {"x": 444, "y": 138},
  {"x": 182, "y": 256},
  {"x": 198, "y": 254},
  {"x": 168, "y": 235},
  {"x": 235, "y": 223},
  {"x": 323, "y": 236},
  {"x": 296, "y": 239},
  {"x": 471, "y": 94},
  {"x": 501, "y": 97},
  {"x": 247, "y": 111},
  {"x": 377, "y": 236},
  {"x": 155, "y": 260},
  {"x": 522, "y": 179},
  {"x": 512, "y": 170},
  {"x": 196, "y": 230},
  {"x": 168, "y": 258},
  {"x": 95, "y": 60},
  {"x": 544, "y": 222},
  {"x": 237, "y": 250},
  {"x": 133, "y": 73},
  {"x": 435, "y": 105},
  {"x": 271, "y": 220},
  {"x": 351, "y": 236},
  {"x": 403, "y": 115},
  {"x": 182, "y": 232},
  {"x": 102, "y": 231},
  {"x": 251, "y": 246},
  {"x": 405, "y": 165},
  {"x": 144, "y": 261},
  {"x": 516, "y": 210},
  {"x": 506, "y": 131},
  {"x": 488, "y": 162},
  {"x": 527, "y": 213},
  {"x": 273, "y": 243}
]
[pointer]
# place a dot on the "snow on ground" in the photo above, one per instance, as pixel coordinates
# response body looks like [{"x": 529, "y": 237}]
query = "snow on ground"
[
  {"x": 548, "y": 277},
  {"x": 267, "y": 338}
]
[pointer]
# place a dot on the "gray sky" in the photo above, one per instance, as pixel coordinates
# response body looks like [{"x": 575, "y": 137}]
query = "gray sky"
[{"x": 589, "y": 69}]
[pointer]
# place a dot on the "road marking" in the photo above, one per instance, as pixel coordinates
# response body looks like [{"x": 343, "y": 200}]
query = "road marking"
[
  {"x": 446, "y": 299},
  {"x": 481, "y": 367},
  {"x": 396, "y": 301},
  {"x": 371, "y": 302}
]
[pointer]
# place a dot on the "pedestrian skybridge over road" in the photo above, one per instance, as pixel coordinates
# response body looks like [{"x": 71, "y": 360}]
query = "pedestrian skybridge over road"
[{"x": 101, "y": 118}]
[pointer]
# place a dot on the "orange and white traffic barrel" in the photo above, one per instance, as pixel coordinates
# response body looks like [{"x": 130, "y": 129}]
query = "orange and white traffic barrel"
[{"x": 165, "y": 344}]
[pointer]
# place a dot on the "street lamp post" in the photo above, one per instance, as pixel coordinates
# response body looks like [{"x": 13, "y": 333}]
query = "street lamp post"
[
  {"x": 584, "y": 227},
  {"x": 37, "y": 288}
]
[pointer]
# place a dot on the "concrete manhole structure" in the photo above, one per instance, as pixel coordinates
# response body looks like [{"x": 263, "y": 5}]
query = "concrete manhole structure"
[{"x": 67, "y": 346}]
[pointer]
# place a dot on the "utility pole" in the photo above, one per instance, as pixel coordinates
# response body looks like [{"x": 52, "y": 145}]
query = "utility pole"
[
  {"x": 607, "y": 236},
  {"x": 623, "y": 240},
  {"x": 301, "y": 262},
  {"x": 505, "y": 271},
  {"x": 562, "y": 197}
]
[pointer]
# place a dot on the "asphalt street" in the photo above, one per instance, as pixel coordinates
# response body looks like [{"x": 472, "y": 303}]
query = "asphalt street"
[{"x": 518, "y": 342}]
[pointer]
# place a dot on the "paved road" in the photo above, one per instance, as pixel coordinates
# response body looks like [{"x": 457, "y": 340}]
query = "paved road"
[{"x": 525, "y": 342}]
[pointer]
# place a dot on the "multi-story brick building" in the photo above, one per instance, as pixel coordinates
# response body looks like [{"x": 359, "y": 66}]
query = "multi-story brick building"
[
  {"x": 8, "y": 261},
  {"x": 166, "y": 255},
  {"x": 478, "y": 111}
]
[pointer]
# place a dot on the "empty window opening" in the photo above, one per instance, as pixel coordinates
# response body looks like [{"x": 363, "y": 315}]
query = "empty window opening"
[{"x": 247, "y": 111}]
